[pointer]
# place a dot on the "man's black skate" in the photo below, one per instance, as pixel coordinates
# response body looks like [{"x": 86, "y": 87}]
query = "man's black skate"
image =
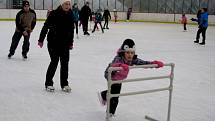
[
  {"x": 196, "y": 41},
  {"x": 202, "y": 43},
  {"x": 24, "y": 56},
  {"x": 9, "y": 55},
  {"x": 86, "y": 33}
]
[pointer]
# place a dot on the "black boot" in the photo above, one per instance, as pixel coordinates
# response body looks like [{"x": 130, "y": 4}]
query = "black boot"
[
  {"x": 9, "y": 55},
  {"x": 197, "y": 41},
  {"x": 202, "y": 43},
  {"x": 24, "y": 56}
]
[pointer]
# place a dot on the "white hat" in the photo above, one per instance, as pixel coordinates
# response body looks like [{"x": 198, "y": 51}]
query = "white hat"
[{"x": 63, "y": 1}]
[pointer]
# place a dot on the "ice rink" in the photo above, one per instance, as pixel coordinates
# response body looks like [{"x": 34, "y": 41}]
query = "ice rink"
[{"x": 23, "y": 97}]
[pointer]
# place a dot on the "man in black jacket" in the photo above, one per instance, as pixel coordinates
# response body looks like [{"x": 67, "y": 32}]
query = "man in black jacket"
[
  {"x": 60, "y": 28},
  {"x": 25, "y": 23},
  {"x": 107, "y": 17},
  {"x": 84, "y": 17}
]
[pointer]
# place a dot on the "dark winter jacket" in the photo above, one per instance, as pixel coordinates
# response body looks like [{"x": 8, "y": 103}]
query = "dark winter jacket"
[
  {"x": 119, "y": 58},
  {"x": 60, "y": 28},
  {"x": 25, "y": 21},
  {"x": 106, "y": 14},
  {"x": 85, "y": 13}
]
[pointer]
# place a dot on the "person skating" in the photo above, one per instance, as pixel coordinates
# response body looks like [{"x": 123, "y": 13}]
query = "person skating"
[
  {"x": 184, "y": 21},
  {"x": 203, "y": 25},
  {"x": 85, "y": 14},
  {"x": 75, "y": 11},
  {"x": 107, "y": 17},
  {"x": 25, "y": 23},
  {"x": 98, "y": 20},
  {"x": 60, "y": 28},
  {"x": 125, "y": 57}
]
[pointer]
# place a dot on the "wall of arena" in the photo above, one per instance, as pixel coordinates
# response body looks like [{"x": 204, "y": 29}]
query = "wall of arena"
[{"x": 10, "y": 14}]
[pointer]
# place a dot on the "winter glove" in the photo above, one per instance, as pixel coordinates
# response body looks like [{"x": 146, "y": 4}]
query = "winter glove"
[
  {"x": 40, "y": 44},
  {"x": 159, "y": 63},
  {"x": 121, "y": 74}
]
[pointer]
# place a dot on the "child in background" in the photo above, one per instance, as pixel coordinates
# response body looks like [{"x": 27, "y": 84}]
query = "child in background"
[
  {"x": 94, "y": 20},
  {"x": 115, "y": 15},
  {"x": 184, "y": 21},
  {"x": 125, "y": 57},
  {"x": 98, "y": 20},
  {"x": 75, "y": 12}
]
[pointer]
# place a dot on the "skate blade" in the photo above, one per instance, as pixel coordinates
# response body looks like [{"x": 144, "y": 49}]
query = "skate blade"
[
  {"x": 66, "y": 90},
  {"x": 49, "y": 90}
]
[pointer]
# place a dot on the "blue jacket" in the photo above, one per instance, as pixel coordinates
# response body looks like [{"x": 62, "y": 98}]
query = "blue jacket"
[
  {"x": 203, "y": 22},
  {"x": 76, "y": 14}
]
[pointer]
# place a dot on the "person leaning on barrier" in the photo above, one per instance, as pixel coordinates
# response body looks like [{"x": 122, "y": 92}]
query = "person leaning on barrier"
[
  {"x": 25, "y": 23},
  {"x": 125, "y": 57}
]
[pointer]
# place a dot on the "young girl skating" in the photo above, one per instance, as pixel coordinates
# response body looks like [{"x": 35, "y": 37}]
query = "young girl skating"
[{"x": 125, "y": 57}]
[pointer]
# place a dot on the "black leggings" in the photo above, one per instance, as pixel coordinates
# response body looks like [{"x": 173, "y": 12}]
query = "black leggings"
[
  {"x": 56, "y": 55},
  {"x": 115, "y": 89},
  {"x": 15, "y": 41},
  {"x": 203, "y": 31}
]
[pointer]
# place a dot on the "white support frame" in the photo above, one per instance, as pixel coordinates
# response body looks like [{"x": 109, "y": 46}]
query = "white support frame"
[{"x": 170, "y": 87}]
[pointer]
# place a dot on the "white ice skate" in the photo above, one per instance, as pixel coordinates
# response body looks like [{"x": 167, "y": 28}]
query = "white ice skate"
[
  {"x": 102, "y": 102},
  {"x": 110, "y": 116},
  {"x": 66, "y": 89},
  {"x": 50, "y": 88}
]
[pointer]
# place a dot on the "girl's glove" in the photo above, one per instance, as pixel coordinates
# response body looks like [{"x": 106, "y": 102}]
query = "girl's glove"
[
  {"x": 121, "y": 74},
  {"x": 159, "y": 63}
]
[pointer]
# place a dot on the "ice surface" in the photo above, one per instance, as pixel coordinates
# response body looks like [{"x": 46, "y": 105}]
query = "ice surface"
[{"x": 23, "y": 97}]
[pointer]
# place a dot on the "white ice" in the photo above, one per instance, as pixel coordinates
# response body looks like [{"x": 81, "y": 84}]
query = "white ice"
[{"x": 23, "y": 97}]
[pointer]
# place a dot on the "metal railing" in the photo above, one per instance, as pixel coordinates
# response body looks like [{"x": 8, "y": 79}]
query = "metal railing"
[{"x": 170, "y": 87}]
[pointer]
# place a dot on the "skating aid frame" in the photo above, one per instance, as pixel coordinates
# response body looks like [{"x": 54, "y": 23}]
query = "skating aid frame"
[{"x": 170, "y": 87}]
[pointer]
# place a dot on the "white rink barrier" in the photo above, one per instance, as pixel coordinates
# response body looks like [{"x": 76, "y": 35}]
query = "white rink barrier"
[{"x": 170, "y": 87}]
